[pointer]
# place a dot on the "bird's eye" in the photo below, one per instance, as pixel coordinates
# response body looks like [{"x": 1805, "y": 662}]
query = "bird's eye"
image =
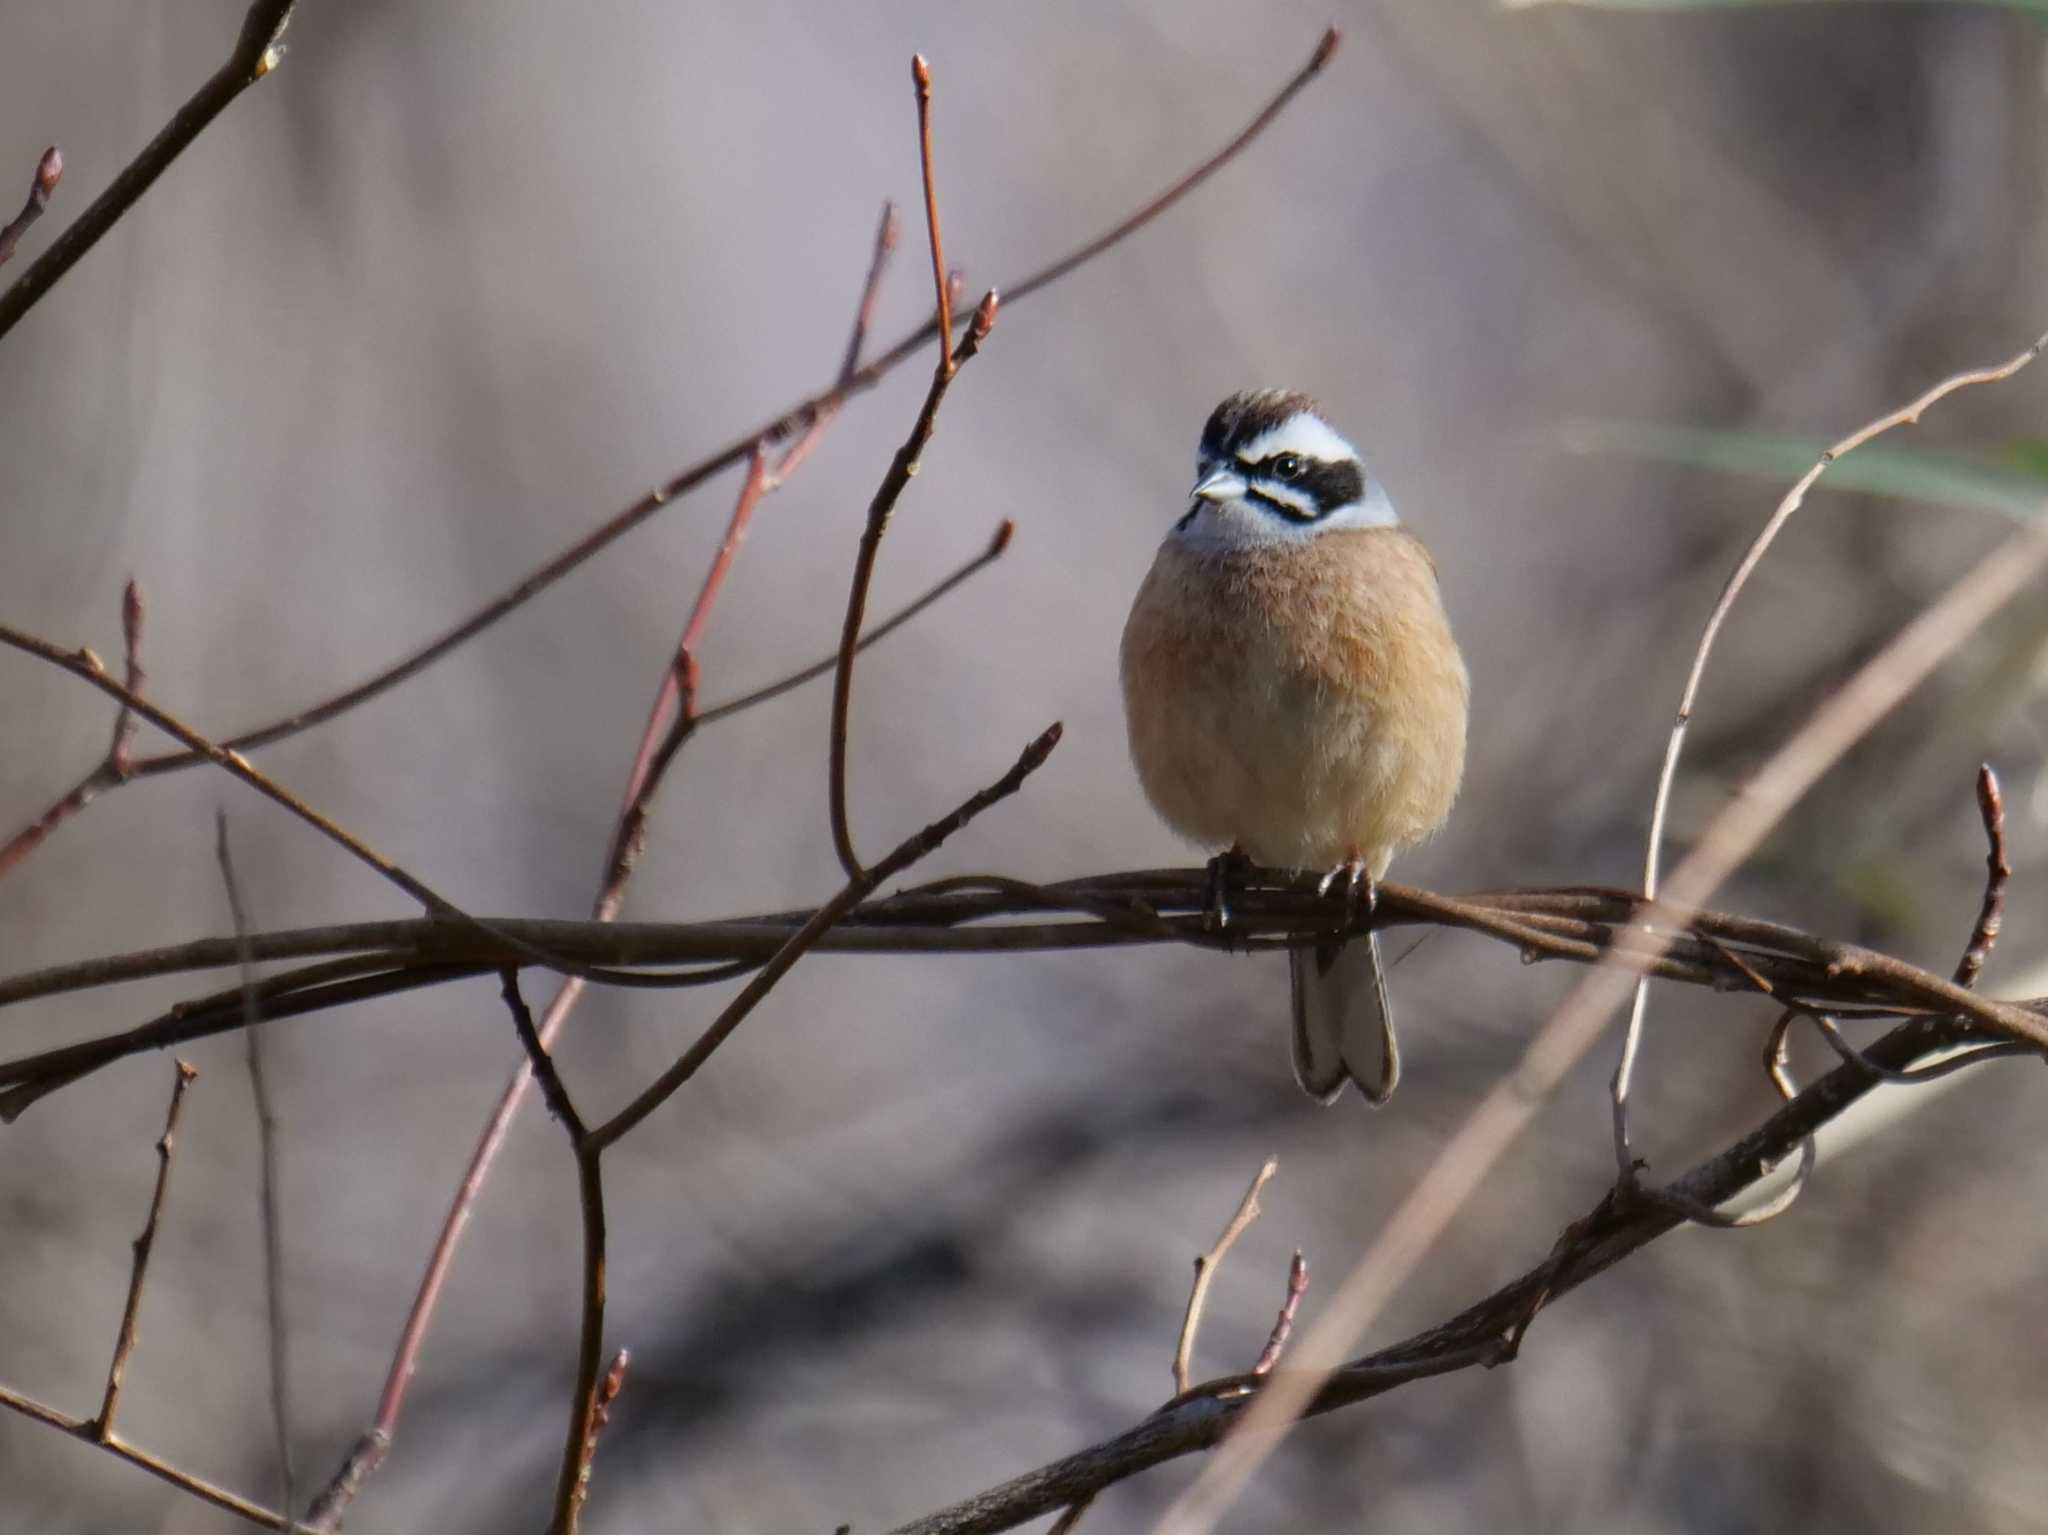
[{"x": 1287, "y": 466}]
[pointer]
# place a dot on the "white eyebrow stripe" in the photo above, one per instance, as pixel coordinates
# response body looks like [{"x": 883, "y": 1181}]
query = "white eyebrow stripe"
[
  {"x": 1287, "y": 495},
  {"x": 1303, "y": 433}
]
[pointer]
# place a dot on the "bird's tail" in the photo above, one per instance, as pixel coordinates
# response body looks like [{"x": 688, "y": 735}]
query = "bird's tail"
[{"x": 1343, "y": 1022}]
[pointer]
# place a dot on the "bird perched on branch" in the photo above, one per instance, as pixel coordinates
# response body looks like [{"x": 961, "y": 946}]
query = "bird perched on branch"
[{"x": 1294, "y": 697}]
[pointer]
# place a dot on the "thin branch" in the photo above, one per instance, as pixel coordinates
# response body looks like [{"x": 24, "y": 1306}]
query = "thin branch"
[
  {"x": 1206, "y": 1265},
  {"x": 552, "y": 1091},
  {"x": 1283, "y": 1324},
  {"x": 673, "y": 718},
  {"x": 585, "y": 1419},
  {"x": 258, "y": 50},
  {"x": 608, "y": 1388},
  {"x": 1997, "y": 875},
  {"x": 114, "y": 768},
  {"x": 88, "y": 667},
  {"x": 1906, "y": 415},
  {"x": 84, "y": 664},
  {"x": 145, "y": 1243},
  {"x": 163, "y": 1470},
  {"x": 901, "y": 470},
  {"x": 42, "y": 186},
  {"x": 942, "y": 279},
  {"x": 1455, "y": 1176},
  {"x": 254, "y": 1048},
  {"x": 790, "y": 422},
  {"x": 864, "y": 316}
]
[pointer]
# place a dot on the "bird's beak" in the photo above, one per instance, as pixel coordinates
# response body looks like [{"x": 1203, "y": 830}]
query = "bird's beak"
[{"x": 1219, "y": 485}]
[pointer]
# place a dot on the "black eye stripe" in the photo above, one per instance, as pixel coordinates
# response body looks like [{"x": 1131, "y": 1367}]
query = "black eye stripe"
[{"x": 1291, "y": 513}]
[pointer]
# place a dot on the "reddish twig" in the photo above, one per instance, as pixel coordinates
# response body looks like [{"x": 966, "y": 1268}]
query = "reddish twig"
[
  {"x": 608, "y": 1390},
  {"x": 1997, "y": 875},
  {"x": 901, "y": 470},
  {"x": 257, "y": 51},
  {"x": 1283, "y": 1324},
  {"x": 138, "y": 1273},
  {"x": 41, "y": 187},
  {"x": 942, "y": 278},
  {"x": 864, "y": 316},
  {"x": 114, "y": 768},
  {"x": 673, "y": 718}
]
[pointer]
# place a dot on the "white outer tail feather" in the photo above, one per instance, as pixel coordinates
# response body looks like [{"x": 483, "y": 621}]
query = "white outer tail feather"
[{"x": 1343, "y": 1021}]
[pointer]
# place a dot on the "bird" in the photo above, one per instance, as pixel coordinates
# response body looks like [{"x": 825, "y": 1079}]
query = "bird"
[{"x": 1294, "y": 696}]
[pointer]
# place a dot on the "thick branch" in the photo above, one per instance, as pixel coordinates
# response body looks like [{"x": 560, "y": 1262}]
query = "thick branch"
[{"x": 1487, "y": 1333}]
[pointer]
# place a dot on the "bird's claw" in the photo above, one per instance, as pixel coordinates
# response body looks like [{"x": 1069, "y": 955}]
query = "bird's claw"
[
  {"x": 1216, "y": 915},
  {"x": 1356, "y": 877}
]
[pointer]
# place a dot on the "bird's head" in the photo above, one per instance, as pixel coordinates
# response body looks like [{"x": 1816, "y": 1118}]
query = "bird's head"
[{"x": 1270, "y": 469}]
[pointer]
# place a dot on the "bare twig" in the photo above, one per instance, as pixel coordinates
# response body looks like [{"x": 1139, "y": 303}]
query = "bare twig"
[
  {"x": 87, "y": 666},
  {"x": 901, "y": 470},
  {"x": 1906, "y": 415},
  {"x": 1466, "y": 1159},
  {"x": 114, "y": 768},
  {"x": 552, "y": 1091},
  {"x": 163, "y": 1470},
  {"x": 254, "y": 1050},
  {"x": 1206, "y": 1265},
  {"x": 942, "y": 278},
  {"x": 673, "y": 719},
  {"x": 138, "y": 1273},
  {"x": 257, "y": 51},
  {"x": 42, "y": 186},
  {"x": 1997, "y": 875},
  {"x": 608, "y": 1390},
  {"x": 1283, "y": 1324},
  {"x": 864, "y": 316},
  {"x": 796, "y": 419}
]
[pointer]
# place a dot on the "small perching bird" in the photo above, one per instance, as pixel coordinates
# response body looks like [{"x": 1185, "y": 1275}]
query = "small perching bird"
[{"x": 1294, "y": 695}]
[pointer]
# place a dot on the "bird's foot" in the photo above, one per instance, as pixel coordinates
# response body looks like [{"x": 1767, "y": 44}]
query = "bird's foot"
[
  {"x": 1360, "y": 890},
  {"x": 1216, "y": 917}
]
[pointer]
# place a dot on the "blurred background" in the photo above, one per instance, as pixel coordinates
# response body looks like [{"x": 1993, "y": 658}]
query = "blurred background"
[{"x": 1590, "y": 286}]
